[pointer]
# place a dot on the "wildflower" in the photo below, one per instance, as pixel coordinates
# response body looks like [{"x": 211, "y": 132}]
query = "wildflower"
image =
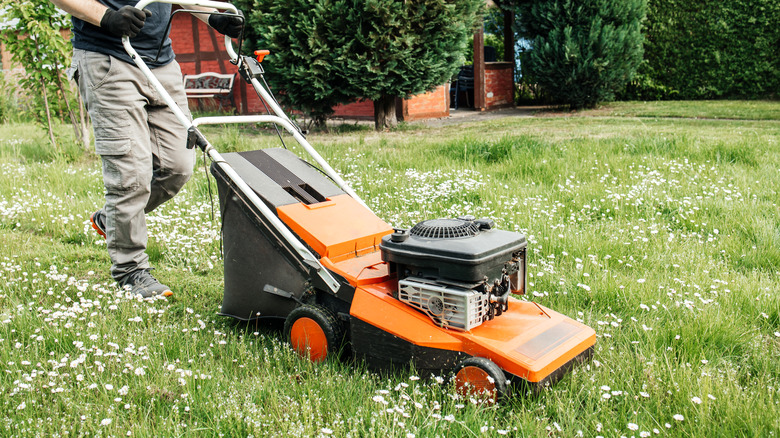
[
  {"x": 105, "y": 422},
  {"x": 696, "y": 400},
  {"x": 678, "y": 417},
  {"x": 633, "y": 426}
]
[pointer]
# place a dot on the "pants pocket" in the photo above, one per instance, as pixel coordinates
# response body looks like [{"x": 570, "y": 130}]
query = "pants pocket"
[
  {"x": 115, "y": 145},
  {"x": 120, "y": 172}
]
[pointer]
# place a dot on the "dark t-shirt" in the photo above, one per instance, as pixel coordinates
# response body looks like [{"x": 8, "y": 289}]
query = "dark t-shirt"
[{"x": 89, "y": 37}]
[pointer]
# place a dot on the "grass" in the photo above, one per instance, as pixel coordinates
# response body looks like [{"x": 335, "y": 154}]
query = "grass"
[
  {"x": 661, "y": 233},
  {"x": 713, "y": 109}
]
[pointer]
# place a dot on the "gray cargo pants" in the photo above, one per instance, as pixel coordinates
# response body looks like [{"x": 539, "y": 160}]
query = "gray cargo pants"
[{"x": 142, "y": 146}]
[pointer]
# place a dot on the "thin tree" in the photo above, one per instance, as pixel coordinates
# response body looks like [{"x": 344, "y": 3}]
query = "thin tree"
[{"x": 36, "y": 43}]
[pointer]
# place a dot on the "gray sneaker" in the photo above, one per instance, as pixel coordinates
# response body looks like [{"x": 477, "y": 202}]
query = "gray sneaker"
[{"x": 142, "y": 283}]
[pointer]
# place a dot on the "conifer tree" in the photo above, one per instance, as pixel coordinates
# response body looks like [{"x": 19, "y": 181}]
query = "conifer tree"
[
  {"x": 583, "y": 51},
  {"x": 332, "y": 51}
]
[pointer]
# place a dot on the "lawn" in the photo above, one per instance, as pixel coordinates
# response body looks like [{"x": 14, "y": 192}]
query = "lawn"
[{"x": 656, "y": 225}]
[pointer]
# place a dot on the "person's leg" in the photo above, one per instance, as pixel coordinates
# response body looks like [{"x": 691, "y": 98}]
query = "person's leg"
[
  {"x": 172, "y": 162},
  {"x": 110, "y": 89}
]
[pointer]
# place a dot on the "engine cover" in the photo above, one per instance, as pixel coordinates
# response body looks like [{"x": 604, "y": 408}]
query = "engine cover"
[{"x": 462, "y": 250}]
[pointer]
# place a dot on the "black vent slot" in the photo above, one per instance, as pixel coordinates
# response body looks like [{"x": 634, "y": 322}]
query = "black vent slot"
[
  {"x": 445, "y": 229},
  {"x": 304, "y": 193}
]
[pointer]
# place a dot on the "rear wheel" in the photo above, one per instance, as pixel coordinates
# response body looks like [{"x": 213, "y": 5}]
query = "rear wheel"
[
  {"x": 480, "y": 378},
  {"x": 314, "y": 332}
]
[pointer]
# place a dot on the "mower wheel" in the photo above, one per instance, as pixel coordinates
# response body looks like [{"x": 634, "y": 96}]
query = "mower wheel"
[
  {"x": 314, "y": 332},
  {"x": 481, "y": 378}
]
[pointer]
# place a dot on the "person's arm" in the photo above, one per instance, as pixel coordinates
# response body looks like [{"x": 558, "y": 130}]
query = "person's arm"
[
  {"x": 127, "y": 21},
  {"x": 87, "y": 10}
]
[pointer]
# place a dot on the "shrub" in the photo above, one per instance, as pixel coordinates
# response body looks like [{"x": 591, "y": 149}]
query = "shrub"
[{"x": 582, "y": 52}]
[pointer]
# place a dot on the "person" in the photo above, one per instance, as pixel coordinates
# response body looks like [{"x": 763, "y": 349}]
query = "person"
[{"x": 141, "y": 143}]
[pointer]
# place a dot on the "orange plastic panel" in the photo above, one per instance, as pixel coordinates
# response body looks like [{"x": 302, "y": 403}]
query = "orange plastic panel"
[
  {"x": 339, "y": 229},
  {"x": 529, "y": 341},
  {"x": 374, "y": 304},
  {"x": 361, "y": 270}
]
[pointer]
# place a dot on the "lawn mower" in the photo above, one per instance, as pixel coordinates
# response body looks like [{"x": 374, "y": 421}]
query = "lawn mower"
[{"x": 300, "y": 245}]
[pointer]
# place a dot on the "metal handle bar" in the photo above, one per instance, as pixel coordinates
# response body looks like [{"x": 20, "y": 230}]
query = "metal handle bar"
[
  {"x": 222, "y": 6},
  {"x": 180, "y": 116}
]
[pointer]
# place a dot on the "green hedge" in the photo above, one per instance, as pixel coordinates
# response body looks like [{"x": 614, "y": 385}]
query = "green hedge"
[{"x": 710, "y": 49}]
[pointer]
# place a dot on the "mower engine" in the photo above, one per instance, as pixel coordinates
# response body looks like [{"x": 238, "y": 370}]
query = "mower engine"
[{"x": 459, "y": 272}]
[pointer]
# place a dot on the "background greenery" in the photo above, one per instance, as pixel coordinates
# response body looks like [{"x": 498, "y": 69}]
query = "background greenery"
[
  {"x": 660, "y": 231},
  {"x": 581, "y": 53},
  {"x": 709, "y": 50},
  {"x": 327, "y": 52}
]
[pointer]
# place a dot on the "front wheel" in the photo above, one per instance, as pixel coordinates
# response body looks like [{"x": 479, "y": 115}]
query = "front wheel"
[
  {"x": 314, "y": 332},
  {"x": 480, "y": 378}
]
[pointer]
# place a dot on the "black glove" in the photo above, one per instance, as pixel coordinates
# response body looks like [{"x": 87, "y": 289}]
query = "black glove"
[
  {"x": 127, "y": 21},
  {"x": 229, "y": 25}
]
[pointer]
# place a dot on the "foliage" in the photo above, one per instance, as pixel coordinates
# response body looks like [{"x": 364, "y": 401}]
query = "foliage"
[
  {"x": 710, "y": 49},
  {"x": 583, "y": 52},
  {"x": 328, "y": 52},
  {"x": 9, "y": 105},
  {"x": 36, "y": 43}
]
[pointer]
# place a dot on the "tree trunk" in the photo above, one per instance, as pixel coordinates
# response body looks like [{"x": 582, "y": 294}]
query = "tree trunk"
[
  {"x": 83, "y": 122},
  {"x": 384, "y": 113},
  {"x": 77, "y": 131},
  {"x": 48, "y": 115}
]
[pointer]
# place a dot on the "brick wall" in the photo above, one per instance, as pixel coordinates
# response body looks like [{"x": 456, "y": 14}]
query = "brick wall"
[
  {"x": 201, "y": 49},
  {"x": 499, "y": 85},
  {"x": 363, "y": 109},
  {"x": 435, "y": 104}
]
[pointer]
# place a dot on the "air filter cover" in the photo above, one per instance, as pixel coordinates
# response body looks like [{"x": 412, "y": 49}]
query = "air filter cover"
[
  {"x": 445, "y": 229},
  {"x": 435, "y": 249}
]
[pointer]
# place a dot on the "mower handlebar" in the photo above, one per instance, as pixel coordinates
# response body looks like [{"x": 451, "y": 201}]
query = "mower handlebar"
[{"x": 221, "y": 6}]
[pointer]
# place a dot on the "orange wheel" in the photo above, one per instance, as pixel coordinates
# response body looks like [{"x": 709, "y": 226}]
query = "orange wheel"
[
  {"x": 314, "y": 332},
  {"x": 480, "y": 378},
  {"x": 308, "y": 339}
]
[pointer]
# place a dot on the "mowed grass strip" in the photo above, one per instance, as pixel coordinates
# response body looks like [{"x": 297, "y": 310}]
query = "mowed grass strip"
[{"x": 662, "y": 234}]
